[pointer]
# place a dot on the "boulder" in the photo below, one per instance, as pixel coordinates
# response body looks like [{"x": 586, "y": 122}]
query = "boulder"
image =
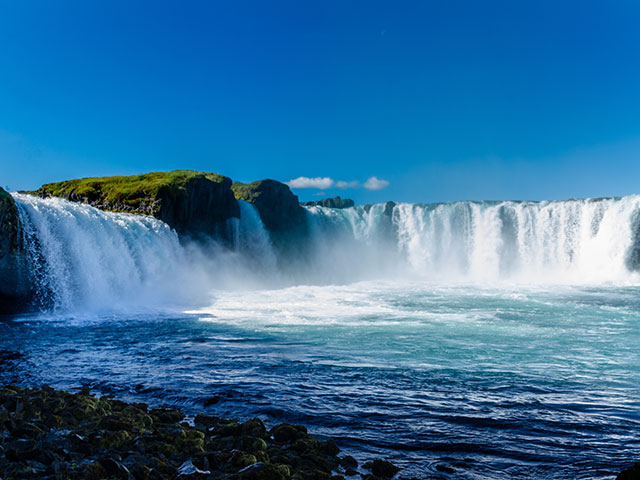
[
  {"x": 195, "y": 204},
  {"x": 335, "y": 202}
]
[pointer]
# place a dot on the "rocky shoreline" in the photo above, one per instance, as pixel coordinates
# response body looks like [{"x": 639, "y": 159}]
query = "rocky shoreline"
[{"x": 53, "y": 434}]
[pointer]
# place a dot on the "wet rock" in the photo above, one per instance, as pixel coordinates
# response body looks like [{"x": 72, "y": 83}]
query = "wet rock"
[
  {"x": 242, "y": 459},
  {"x": 206, "y": 421},
  {"x": 445, "y": 469},
  {"x": 286, "y": 433},
  {"x": 188, "y": 469},
  {"x": 114, "y": 468},
  {"x": 329, "y": 447},
  {"x": 21, "y": 450},
  {"x": 632, "y": 473},
  {"x": 349, "y": 462},
  {"x": 382, "y": 468},
  {"x": 52, "y": 434}
]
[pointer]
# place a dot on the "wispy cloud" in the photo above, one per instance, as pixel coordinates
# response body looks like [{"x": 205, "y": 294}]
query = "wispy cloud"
[
  {"x": 324, "y": 183},
  {"x": 375, "y": 183},
  {"x": 343, "y": 184},
  {"x": 316, "y": 182}
]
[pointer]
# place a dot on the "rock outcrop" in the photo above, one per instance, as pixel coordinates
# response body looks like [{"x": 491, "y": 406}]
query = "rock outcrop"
[
  {"x": 14, "y": 276},
  {"x": 277, "y": 206},
  {"x": 335, "y": 202},
  {"x": 195, "y": 204}
]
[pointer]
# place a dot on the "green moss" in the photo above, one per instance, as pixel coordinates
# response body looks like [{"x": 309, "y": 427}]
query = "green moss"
[
  {"x": 247, "y": 191},
  {"x": 130, "y": 190}
]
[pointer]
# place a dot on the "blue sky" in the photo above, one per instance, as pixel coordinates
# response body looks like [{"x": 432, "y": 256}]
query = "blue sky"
[{"x": 436, "y": 100}]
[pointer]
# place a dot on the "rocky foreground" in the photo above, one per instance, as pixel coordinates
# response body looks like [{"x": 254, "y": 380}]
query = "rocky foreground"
[{"x": 52, "y": 434}]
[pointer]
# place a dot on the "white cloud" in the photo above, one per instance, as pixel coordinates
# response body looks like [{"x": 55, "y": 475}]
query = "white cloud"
[
  {"x": 343, "y": 184},
  {"x": 375, "y": 183},
  {"x": 316, "y": 182},
  {"x": 325, "y": 183}
]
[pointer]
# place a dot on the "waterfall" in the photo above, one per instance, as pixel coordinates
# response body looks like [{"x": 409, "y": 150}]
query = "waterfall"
[
  {"x": 84, "y": 258},
  {"x": 573, "y": 241},
  {"x": 252, "y": 239}
]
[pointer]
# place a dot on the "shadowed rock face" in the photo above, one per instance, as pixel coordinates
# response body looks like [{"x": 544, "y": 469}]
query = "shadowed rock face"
[
  {"x": 335, "y": 202},
  {"x": 14, "y": 276},
  {"x": 278, "y": 207},
  {"x": 193, "y": 203}
]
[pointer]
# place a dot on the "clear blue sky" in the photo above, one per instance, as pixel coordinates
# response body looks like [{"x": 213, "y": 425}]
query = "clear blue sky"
[{"x": 444, "y": 100}]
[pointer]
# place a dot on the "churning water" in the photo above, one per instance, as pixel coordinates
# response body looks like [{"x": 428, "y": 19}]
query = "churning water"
[{"x": 497, "y": 339}]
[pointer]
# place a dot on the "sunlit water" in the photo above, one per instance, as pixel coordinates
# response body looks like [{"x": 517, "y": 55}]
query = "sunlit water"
[{"x": 494, "y": 382}]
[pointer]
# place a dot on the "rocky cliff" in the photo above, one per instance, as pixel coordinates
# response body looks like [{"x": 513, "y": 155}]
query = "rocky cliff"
[
  {"x": 193, "y": 203},
  {"x": 281, "y": 214},
  {"x": 14, "y": 276},
  {"x": 278, "y": 207},
  {"x": 335, "y": 202}
]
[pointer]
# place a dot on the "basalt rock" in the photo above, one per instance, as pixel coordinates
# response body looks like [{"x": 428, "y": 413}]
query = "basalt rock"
[
  {"x": 280, "y": 212},
  {"x": 335, "y": 202},
  {"x": 195, "y": 204},
  {"x": 277, "y": 206},
  {"x": 98, "y": 438},
  {"x": 631, "y": 473},
  {"x": 14, "y": 273}
]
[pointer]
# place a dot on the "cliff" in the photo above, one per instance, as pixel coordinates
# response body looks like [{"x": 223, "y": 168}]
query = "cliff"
[
  {"x": 193, "y": 203},
  {"x": 335, "y": 202},
  {"x": 278, "y": 207},
  {"x": 14, "y": 276}
]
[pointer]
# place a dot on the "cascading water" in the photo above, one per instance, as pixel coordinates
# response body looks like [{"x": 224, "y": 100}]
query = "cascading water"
[
  {"x": 252, "y": 239},
  {"x": 82, "y": 257},
  {"x": 574, "y": 241},
  {"x": 86, "y": 258}
]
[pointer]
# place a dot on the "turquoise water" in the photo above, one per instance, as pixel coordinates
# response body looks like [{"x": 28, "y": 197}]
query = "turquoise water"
[{"x": 502, "y": 381}]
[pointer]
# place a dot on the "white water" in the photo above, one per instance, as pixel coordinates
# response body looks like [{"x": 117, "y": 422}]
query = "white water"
[
  {"x": 84, "y": 258},
  {"x": 574, "y": 241}
]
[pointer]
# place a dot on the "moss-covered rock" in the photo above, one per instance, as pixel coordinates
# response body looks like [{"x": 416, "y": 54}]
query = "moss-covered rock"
[
  {"x": 194, "y": 203},
  {"x": 106, "y": 438}
]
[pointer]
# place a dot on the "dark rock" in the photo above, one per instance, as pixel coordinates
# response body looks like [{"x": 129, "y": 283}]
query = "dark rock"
[
  {"x": 631, "y": 473},
  {"x": 206, "y": 421},
  {"x": 189, "y": 470},
  {"x": 277, "y": 206},
  {"x": 282, "y": 216},
  {"x": 445, "y": 469},
  {"x": 100, "y": 438},
  {"x": 335, "y": 202},
  {"x": 382, "y": 468},
  {"x": 21, "y": 450},
  {"x": 115, "y": 468},
  {"x": 330, "y": 448},
  {"x": 349, "y": 462},
  {"x": 286, "y": 433},
  {"x": 15, "y": 278},
  {"x": 167, "y": 415}
]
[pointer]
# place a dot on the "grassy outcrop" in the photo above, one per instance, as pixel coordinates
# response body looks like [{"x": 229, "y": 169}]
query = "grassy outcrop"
[
  {"x": 194, "y": 203},
  {"x": 52, "y": 434},
  {"x": 126, "y": 193}
]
